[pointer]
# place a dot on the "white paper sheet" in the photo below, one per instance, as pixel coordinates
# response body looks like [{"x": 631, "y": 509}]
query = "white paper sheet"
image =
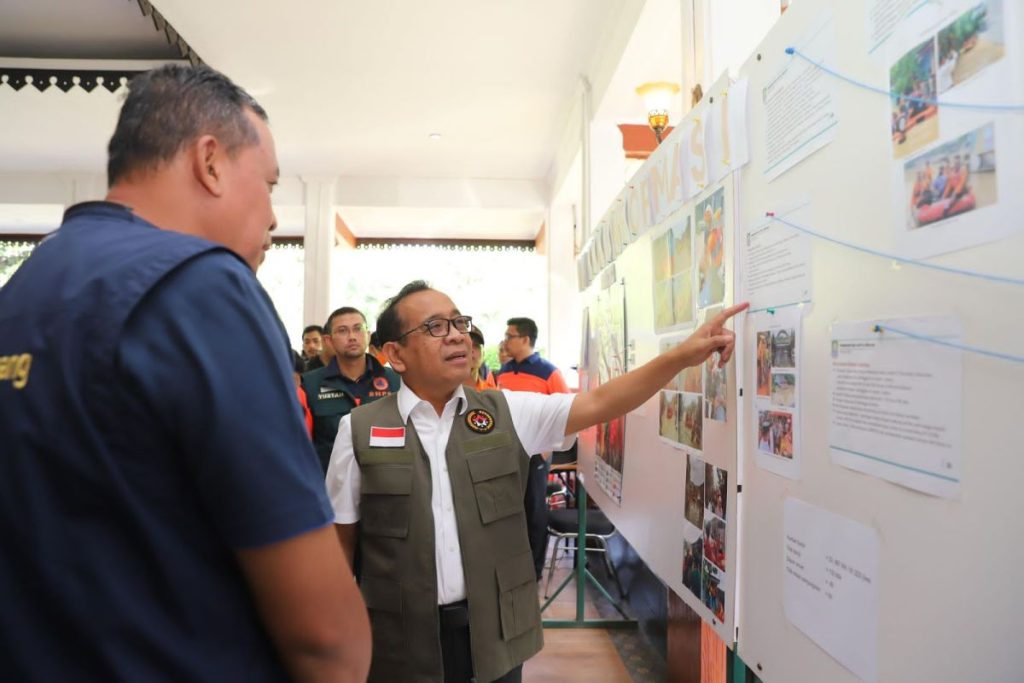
[
  {"x": 830, "y": 584},
  {"x": 739, "y": 123},
  {"x": 895, "y": 408},
  {"x": 777, "y": 264},
  {"x": 776, "y": 364},
  {"x": 725, "y": 129},
  {"x": 956, "y": 170},
  {"x": 801, "y": 107},
  {"x": 883, "y": 16}
]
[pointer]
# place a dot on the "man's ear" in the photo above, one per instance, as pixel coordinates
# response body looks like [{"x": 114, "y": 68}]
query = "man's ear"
[
  {"x": 207, "y": 164},
  {"x": 393, "y": 350}
]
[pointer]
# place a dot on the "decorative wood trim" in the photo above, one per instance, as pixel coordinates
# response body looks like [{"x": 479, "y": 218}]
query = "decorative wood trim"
[
  {"x": 344, "y": 234},
  {"x": 527, "y": 245}
]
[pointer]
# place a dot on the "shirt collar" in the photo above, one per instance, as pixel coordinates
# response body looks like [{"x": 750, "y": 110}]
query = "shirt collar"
[
  {"x": 407, "y": 400},
  {"x": 334, "y": 369},
  {"x": 529, "y": 360}
]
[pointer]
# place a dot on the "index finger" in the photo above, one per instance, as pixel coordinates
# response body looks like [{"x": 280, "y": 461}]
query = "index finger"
[{"x": 720, "y": 319}]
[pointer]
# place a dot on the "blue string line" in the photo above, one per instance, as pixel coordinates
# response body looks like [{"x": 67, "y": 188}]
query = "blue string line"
[
  {"x": 914, "y": 262},
  {"x": 889, "y": 93},
  {"x": 954, "y": 345}
]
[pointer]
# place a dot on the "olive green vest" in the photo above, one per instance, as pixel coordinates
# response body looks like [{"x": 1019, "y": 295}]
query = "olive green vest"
[{"x": 399, "y": 575}]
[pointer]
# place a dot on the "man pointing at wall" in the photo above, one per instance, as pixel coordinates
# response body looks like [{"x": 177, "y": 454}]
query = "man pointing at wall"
[{"x": 434, "y": 476}]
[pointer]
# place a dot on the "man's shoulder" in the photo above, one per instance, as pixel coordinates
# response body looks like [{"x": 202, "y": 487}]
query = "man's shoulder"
[
  {"x": 542, "y": 362},
  {"x": 313, "y": 378},
  {"x": 379, "y": 370}
]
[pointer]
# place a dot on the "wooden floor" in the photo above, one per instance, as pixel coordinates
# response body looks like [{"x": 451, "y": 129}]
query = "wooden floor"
[{"x": 584, "y": 654}]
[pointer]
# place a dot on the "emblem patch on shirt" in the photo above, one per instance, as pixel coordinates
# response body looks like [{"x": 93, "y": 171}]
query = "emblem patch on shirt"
[
  {"x": 387, "y": 437},
  {"x": 480, "y": 421},
  {"x": 380, "y": 383}
]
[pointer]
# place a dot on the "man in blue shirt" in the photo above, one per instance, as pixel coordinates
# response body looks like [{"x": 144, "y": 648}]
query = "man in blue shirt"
[
  {"x": 351, "y": 378},
  {"x": 162, "y": 514}
]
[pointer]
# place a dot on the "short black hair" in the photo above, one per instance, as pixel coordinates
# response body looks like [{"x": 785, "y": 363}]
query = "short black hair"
[
  {"x": 477, "y": 336},
  {"x": 344, "y": 310},
  {"x": 375, "y": 339},
  {"x": 525, "y": 326},
  {"x": 170, "y": 106},
  {"x": 389, "y": 324},
  {"x": 312, "y": 328}
]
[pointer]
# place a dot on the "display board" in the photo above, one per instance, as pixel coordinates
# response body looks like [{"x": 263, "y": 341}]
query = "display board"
[
  {"x": 673, "y": 498},
  {"x": 870, "y": 432}
]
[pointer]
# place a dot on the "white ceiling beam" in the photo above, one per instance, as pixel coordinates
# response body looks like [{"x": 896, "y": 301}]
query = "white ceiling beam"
[{"x": 475, "y": 193}]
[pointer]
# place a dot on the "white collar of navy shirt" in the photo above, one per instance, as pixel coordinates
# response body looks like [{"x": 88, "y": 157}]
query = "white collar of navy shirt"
[{"x": 407, "y": 400}]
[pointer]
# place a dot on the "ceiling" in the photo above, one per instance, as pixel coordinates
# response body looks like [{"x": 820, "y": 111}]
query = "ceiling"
[
  {"x": 353, "y": 89},
  {"x": 79, "y": 29}
]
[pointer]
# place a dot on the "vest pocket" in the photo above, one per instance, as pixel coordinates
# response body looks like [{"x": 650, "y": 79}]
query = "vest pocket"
[
  {"x": 384, "y": 604},
  {"x": 495, "y": 475},
  {"x": 384, "y": 500},
  {"x": 517, "y": 596}
]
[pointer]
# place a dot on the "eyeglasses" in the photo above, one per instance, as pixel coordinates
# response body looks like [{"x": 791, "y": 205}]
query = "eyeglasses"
[
  {"x": 509, "y": 337},
  {"x": 344, "y": 331},
  {"x": 442, "y": 327}
]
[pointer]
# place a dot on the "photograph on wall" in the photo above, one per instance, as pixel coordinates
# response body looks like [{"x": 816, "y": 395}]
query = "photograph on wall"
[
  {"x": 715, "y": 533},
  {"x": 954, "y": 178},
  {"x": 693, "y": 560},
  {"x": 716, "y": 490},
  {"x": 714, "y": 541},
  {"x": 608, "y": 325},
  {"x": 764, "y": 363},
  {"x": 914, "y": 116},
  {"x": 716, "y": 387},
  {"x": 676, "y": 383},
  {"x": 710, "y": 237},
  {"x": 972, "y": 42},
  {"x": 691, "y": 429},
  {"x": 952, "y": 193},
  {"x": 672, "y": 267},
  {"x": 713, "y": 589},
  {"x": 716, "y": 381},
  {"x": 681, "y": 405},
  {"x": 693, "y": 380},
  {"x": 668, "y": 428},
  {"x": 705, "y": 564},
  {"x": 695, "y": 474},
  {"x": 777, "y": 401}
]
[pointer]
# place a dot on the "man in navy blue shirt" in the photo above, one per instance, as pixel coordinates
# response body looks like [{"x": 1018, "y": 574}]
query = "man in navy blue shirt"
[
  {"x": 351, "y": 378},
  {"x": 162, "y": 512}
]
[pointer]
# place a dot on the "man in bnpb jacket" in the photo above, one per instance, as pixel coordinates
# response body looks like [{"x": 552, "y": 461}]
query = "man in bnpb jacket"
[
  {"x": 162, "y": 513},
  {"x": 435, "y": 474},
  {"x": 351, "y": 378}
]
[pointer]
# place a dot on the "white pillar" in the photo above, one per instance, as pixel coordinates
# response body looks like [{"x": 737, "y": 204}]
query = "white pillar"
[{"x": 319, "y": 242}]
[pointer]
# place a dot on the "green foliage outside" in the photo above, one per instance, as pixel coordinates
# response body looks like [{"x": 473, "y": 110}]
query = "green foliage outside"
[{"x": 12, "y": 255}]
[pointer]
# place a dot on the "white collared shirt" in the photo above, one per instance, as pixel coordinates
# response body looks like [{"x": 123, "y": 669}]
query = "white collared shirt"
[{"x": 539, "y": 422}]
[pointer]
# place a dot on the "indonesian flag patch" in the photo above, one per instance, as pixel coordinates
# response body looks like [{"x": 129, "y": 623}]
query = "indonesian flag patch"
[{"x": 387, "y": 437}]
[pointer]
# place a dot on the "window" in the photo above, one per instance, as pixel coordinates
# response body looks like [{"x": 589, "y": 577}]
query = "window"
[
  {"x": 13, "y": 252},
  {"x": 490, "y": 283},
  {"x": 283, "y": 275}
]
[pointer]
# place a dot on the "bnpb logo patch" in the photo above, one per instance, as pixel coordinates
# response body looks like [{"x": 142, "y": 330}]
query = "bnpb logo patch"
[
  {"x": 380, "y": 383},
  {"x": 480, "y": 421}
]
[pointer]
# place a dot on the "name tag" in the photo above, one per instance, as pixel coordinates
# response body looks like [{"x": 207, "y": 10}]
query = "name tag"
[
  {"x": 387, "y": 437},
  {"x": 327, "y": 394}
]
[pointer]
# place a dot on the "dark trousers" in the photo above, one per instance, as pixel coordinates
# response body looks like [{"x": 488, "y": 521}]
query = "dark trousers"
[
  {"x": 536, "y": 504},
  {"x": 455, "y": 650}
]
